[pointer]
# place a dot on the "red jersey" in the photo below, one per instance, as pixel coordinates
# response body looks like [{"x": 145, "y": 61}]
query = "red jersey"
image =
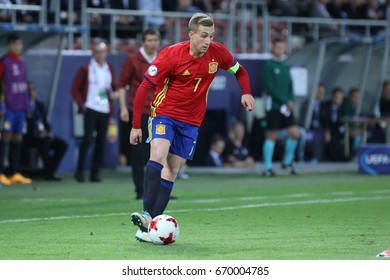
[{"x": 183, "y": 82}]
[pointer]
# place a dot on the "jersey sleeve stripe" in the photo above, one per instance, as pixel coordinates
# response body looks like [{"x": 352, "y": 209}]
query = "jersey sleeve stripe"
[{"x": 149, "y": 80}]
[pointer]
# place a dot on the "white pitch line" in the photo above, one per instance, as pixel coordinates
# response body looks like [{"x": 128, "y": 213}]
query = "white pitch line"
[
  {"x": 380, "y": 191},
  {"x": 297, "y": 195},
  {"x": 213, "y": 200},
  {"x": 341, "y": 193},
  {"x": 260, "y": 205}
]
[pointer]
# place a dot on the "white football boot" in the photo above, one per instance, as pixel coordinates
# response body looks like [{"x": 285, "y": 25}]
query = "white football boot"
[
  {"x": 142, "y": 236},
  {"x": 141, "y": 221}
]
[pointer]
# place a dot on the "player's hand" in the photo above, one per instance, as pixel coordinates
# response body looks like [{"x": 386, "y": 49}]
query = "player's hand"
[
  {"x": 124, "y": 115},
  {"x": 248, "y": 102},
  {"x": 135, "y": 136}
]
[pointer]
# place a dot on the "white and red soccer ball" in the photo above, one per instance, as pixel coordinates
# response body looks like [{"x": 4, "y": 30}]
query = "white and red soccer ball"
[{"x": 163, "y": 230}]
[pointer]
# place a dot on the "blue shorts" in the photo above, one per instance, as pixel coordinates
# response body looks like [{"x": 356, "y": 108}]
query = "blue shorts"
[
  {"x": 14, "y": 121},
  {"x": 181, "y": 135}
]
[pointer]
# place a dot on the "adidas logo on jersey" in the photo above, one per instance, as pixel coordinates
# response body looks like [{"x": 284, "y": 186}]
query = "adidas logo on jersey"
[{"x": 186, "y": 73}]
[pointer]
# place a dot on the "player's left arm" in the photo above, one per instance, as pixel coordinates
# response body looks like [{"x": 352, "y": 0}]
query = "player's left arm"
[
  {"x": 230, "y": 64},
  {"x": 242, "y": 77}
]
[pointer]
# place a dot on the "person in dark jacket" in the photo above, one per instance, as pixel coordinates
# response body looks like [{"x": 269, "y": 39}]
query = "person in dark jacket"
[
  {"x": 51, "y": 148},
  {"x": 333, "y": 127}
]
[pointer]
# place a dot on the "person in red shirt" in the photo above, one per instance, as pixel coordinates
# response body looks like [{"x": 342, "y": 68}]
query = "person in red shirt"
[
  {"x": 132, "y": 74},
  {"x": 182, "y": 75}
]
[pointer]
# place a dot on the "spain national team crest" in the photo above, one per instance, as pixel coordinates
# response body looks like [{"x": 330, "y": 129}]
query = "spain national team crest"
[
  {"x": 213, "y": 67},
  {"x": 160, "y": 129}
]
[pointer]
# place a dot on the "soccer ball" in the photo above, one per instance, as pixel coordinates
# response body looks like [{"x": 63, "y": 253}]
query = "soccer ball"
[{"x": 163, "y": 230}]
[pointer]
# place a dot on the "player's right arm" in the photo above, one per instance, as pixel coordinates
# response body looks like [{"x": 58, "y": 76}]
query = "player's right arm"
[
  {"x": 231, "y": 65},
  {"x": 139, "y": 101}
]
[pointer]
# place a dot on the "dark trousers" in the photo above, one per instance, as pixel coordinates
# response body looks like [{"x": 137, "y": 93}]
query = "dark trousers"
[
  {"x": 93, "y": 121},
  {"x": 51, "y": 149},
  {"x": 139, "y": 155}
]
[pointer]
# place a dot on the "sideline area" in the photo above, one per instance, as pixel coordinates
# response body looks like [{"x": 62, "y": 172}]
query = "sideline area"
[{"x": 302, "y": 167}]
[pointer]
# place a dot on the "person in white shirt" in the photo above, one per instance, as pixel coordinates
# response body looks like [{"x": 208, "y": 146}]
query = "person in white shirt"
[{"x": 93, "y": 91}]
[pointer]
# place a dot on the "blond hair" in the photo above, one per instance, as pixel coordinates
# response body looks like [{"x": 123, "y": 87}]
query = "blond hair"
[{"x": 200, "y": 19}]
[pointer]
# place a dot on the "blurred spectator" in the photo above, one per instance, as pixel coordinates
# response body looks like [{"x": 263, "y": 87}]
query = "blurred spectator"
[
  {"x": 152, "y": 21},
  {"x": 220, "y": 5},
  {"x": 335, "y": 9},
  {"x": 349, "y": 109},
  {"x": 333, "y": 127},
  {"x": 5, "y": 15},
  {"x": 282, "y": 8},
  {"x": 169, "y": 5},
  {"x": 92, "y": 90},
  {"x": 188, "y": 7},
  {"x": 375, "y": 11},
  {"x": 351, "y": 103},
  {"x": 217, "y": 147},
  {"x": 319, "y": 10},
  {"x": 26, "y": 16},
  {"x": 99, "y": 24},
  {"x": 290, "y": 8},
  {"x": 315, "y": 133},
  {"x": 353, "y": 9},
  {"x": 237, "y": 153},
  {"x": 203, "y": 5},
  {"x": 22, "y": 16},
  {"x": 126, "y": 26},
  {"x": 64, "y": 15},
  {"x": 315, "y": 123},
  {"x": 50, "y": 147},
  {"x": 384, "y": 101}
]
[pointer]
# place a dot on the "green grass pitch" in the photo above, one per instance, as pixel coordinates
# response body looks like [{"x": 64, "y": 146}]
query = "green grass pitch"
[{"x": 334, "y": 216}]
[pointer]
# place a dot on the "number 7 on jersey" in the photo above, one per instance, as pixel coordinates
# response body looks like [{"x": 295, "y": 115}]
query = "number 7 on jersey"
[{"x": 197, "y": 83}]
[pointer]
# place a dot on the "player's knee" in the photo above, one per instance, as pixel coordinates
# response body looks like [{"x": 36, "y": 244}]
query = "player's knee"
[
  {"x": 170, "y": 173},
  {"x": 158, "y": 155}
]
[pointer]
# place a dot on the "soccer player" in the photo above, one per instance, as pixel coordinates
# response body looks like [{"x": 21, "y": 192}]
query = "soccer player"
[
  {"x": 182, "y": 75},
  {"x": 13, "y": 76},
  {"x": 132, "y": 74},
  {"x": 279, "y": 109}
]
